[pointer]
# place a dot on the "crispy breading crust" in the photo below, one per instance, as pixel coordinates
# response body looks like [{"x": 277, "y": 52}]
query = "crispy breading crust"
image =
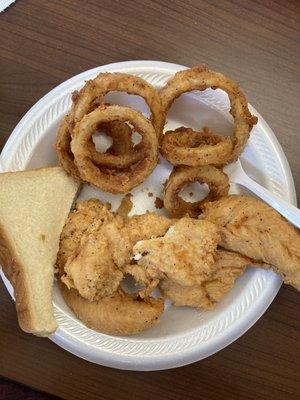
[
  {"x": 228, "y": 267},
  {"x": 252, "y": 228},
  {"x": 79, "y": 221},
  {"x": 185, "y": 255},
  {"x": 107, "y": 179},
  {"x": 107, "y": 82},
  {"x": 114, "y": 311},
  {"x": 184, "y": 146},
  {"x": 63, "y": 149},
  {"x": 120, "y": 314}
]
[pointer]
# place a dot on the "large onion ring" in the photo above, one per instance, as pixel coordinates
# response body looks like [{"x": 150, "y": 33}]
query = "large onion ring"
[
  {"x": 95, "y": 90},
  {"x": 63, "y": 149},
  {"x": 109, "y": 180},
  {"x": 201, "y": 78},
  {"x": 216, "y": 180},
  {"x": 184, "y": 146}
]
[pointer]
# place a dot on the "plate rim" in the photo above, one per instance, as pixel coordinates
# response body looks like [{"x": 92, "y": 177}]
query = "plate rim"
[{"x": 216, "y": 343}]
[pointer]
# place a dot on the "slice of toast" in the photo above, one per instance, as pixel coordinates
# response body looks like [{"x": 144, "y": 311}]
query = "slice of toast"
[{"x": 33, "y": 208}]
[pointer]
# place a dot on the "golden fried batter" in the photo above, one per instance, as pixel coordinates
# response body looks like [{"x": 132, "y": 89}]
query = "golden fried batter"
[
  {"x": 120, "y": 314},
  {"x": 228, "y": 267},
  {"x": 147, "y": 226},
  {"x": 252, "y": 228},
  {"x": 185, "y": 254},
  {"x": 92, "y": 270},
  {"x": 125, "y": 206},
  {"x": 79, "y": 221},
  {"x": 95, "y": 245},
  {"x": 92, "y": 257}
]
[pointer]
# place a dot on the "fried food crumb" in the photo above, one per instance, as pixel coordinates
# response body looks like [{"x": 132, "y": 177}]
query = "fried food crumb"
[
  {"x": 108, "y": 205},
  {"x": 159, "y": 202},
  {"x": 125, "y": 206},
  {"x": 191, "y": 194}
]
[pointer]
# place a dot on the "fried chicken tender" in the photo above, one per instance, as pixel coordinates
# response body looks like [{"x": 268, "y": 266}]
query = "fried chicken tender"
[
  {"x": 84, "y": 254},
  {"x": 119, "y": 314},
  {"x": 80, "y": 221},
  {"x": 92, "y": 270},
  {"x": 147, "y": 226},
  {"x": 95, "y": 246},
  {"x": 185, "y": 255},
  {"x": 252, "y": 228},
  {"x": 228, "y": 267},
  {"x": 123, "y": 235}
]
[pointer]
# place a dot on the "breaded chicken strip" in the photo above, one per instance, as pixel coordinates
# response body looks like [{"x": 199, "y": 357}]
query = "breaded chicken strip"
[
  {"x": 96, "y": 245},
  {"x": 79, "y": 221},
  {"x": 185, "y": 255},
  {"x": 123, "y": 235},
  {"x": 93, "y": 244},
  {"x": 147, "y": 226},
  {"x": 119, "y": 314},
  {"x": 91, "y": 270},
  {"x": 228, "y": 267},
  {"x": 252, "y": 228}
]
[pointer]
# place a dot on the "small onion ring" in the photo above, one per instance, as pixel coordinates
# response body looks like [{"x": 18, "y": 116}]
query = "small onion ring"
[
  {"x": 122, "y": 145},
  {"x": 122, "y": 154},
  {"x": 184, "y": 146},
  {"x": 121, "y": 133},
  {"x": 201, "y": 78},
  {"x": 107, "y": 179},
  {"x": 96, "y": 89},
  {"x": 216, "y": 180}
]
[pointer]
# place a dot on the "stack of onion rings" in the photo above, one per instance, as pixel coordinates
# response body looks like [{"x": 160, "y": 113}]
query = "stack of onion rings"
[
  {"x": 201, "y": 78},
  {"x": 122, "y": 154},
  {"x": 124, "y": 165},
  {"x": 109, "y": 180},
  {"x": 216, "y": 180}
]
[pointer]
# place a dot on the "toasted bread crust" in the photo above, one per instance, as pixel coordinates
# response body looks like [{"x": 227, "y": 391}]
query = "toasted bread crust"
[{"x": 15, "y": 274}]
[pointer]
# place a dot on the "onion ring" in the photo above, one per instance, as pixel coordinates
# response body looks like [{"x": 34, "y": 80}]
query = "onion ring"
[
  {"x": 122, "y": 154},
  {"x": 121, "y": 133},
  {"x": 122, "y": 145},
  {"x": 107, "y": 179},
  {"x": 184, "y": 146},
  {"x": 201, "y": 78},
  {"x": 63, "y": 149},
  {"x": 95, "y": 90},
  {"x": 216, "y": 180}
]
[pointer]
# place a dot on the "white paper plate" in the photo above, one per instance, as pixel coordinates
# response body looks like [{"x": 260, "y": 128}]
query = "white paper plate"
[{"x": 184, "y": 335}]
